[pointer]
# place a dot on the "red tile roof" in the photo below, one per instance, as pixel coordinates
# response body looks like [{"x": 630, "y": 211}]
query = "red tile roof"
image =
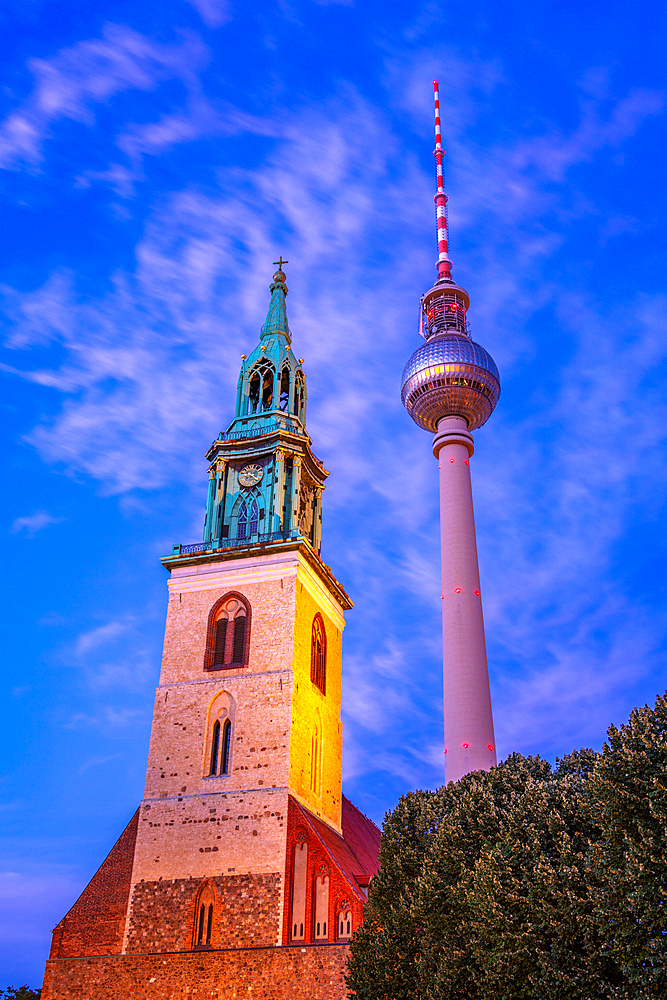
[{"x": 363, "y": 838}]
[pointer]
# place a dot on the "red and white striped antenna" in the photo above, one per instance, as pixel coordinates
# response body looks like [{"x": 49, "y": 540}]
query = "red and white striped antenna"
[{"x": 444, "y": 264}]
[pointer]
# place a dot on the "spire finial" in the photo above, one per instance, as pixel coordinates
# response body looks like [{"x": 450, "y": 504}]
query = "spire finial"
[
  {"x": 444, "y": 265},
  {"x": 280, "y": 274},
  {"x": 276, "y": 318}
]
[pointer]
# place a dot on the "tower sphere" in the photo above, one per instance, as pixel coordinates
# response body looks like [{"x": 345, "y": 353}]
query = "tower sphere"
[{"x": 450, "y": 375}]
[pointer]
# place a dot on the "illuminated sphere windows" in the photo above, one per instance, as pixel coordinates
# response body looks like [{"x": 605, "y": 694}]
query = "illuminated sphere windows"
[{"x": 450, "y": 375}]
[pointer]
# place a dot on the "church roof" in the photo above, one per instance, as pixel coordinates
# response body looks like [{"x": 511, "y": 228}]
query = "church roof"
[
  {"x": 357, "y": 852},
  {"x": 363, "y": 837}
]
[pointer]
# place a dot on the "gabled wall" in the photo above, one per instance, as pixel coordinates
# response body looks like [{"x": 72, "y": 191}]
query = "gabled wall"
[{"x": 96, "y": 923}]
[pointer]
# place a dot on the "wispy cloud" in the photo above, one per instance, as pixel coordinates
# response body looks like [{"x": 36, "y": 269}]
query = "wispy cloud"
[
  {"x": 90, "y": 73},
  {"x": 98, "y": 761},
  {"x": 213, "y": 13},
  {"x": 108, "y": 719},
  {"x": 99, "y": 637},
  {"x": 32, "y": 523}
]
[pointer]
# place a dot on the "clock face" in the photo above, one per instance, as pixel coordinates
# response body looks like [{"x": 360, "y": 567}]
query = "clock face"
[{"x": 250, "y": 475}]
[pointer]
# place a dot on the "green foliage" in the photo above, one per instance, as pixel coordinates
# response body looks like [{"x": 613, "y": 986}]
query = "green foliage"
[
  {"x": 20, "y": 993},
  {"x": 630, "y": 805},
  {"x": 527, "y": 882}
]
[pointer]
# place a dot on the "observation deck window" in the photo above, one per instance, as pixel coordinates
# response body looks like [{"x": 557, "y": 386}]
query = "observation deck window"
[{"x": 444, "y": 312}]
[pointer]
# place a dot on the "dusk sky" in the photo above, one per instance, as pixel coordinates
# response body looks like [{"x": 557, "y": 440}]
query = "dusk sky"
[{"x": 155, "y": 159}]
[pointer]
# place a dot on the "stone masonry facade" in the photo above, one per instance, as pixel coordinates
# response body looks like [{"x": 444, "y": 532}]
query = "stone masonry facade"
[
  {"x": 247, "y": 913},
  {"x": 315, "y": 972}
]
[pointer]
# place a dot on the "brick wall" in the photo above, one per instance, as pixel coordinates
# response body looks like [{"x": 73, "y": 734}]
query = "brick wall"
[
  {"x": 298, "y": 973},
  {"x": 96, "y": 923},
  {"x": 342, "y": 895},
  {"x": 246, "y": 913}
]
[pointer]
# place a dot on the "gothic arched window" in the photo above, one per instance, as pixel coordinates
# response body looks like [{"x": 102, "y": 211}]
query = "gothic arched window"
[
  {"x": 284, "y": 388},
  {"x": 215, "y": 748},
  {"x": 299, "y": 393},
  {"x": 248, "y": 518},
  {"x": 221, "y": 738},
  {"x": 260, "y": 387},
  {"x": 318, "y": 654},
  {"x": 228, "y": 635},
  {"x": 225, "y": 747},
  {"x": 299, "y": 883},
  {"x": 217, "y": 759},
  {"x": 315, "y": 760},
  {"x": 344, "y": 929},
  {"x": 204, "y": 915},
  {"x": 321, "y": 907}
]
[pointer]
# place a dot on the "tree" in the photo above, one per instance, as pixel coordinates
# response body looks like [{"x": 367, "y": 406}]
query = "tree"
[
  {"x": 483, "y": 892},
  {"x": 527, "y": 882},
  {"x": 629, "y": 802},
  {"x": 20, "y": 993},
  {"x": 383, "y": 962}
]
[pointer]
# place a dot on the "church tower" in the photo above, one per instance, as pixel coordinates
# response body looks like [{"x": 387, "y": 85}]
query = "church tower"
[
  {"x": 450, "y": 387},
  {"x": 243, "y": 843}
]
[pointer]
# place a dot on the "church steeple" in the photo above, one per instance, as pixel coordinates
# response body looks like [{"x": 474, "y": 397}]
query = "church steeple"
[
  {"x": 271, "y": 385},
  {"x": 265, "y": 484},
  {"x": 276, "y": 317}
]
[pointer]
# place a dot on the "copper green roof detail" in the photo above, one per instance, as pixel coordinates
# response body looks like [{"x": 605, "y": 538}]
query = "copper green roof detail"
[
  {"x": 276, "y": 317},
  {"x": 271, "y": 386}
]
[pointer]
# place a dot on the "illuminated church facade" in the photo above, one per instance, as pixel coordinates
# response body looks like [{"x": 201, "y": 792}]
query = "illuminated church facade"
[{"x": 245, "y": 869}]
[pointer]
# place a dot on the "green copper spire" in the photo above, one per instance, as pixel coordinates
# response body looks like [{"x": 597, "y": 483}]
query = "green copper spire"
[
  {"x": 271, "y": 385},
  {"x": 265, "y": 484},
  {"x": 276, "y": 317}
]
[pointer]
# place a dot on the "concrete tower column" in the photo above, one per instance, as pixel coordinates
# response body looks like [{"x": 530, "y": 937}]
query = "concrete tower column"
[{"x": 469, "y": 738}]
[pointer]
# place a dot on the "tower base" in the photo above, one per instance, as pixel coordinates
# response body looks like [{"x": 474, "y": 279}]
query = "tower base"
[{"x": 308, "y": 972}]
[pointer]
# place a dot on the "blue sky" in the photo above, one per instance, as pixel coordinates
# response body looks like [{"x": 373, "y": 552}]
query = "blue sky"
[{"x": 154, "y": 161}]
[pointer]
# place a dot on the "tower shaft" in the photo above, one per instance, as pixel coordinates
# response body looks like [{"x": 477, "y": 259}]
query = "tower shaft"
[{"x": 469, "y": 737}]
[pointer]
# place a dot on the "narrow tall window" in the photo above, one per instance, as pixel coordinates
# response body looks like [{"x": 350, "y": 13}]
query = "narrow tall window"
[
  {"x": 299, "y": 387},
  {"x": 239, "y": 640},
  {"x": 284, "y": 389},
  {"x": 243, "y": 520},
  {"x": 220, "y": 640},
  {"x": 344, "y": 924},
  {"x": 267, "y": 389},
  {"x": 204, "y": 917},
  {"x": 226, "y": 745},
  {"x": 253, "y": 391},
  {"x": 321, "y": 907},
  {"x": 315, "y": 761},
  {"x": 299, "y": 891},
  {"x": 215, "y": 747},
  {"x": 318, "y": 654},
  {"x": 253, "y": 518}
]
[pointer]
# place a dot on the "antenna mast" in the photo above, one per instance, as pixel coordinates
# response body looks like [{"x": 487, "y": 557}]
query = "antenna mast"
[{"x": 444, "y": 265}]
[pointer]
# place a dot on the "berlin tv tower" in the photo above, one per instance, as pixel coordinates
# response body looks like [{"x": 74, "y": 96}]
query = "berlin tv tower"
[{"x": 450, "y": 387}]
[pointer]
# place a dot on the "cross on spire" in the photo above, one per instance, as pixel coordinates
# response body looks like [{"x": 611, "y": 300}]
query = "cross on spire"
[{"x": 280, "y": 262}]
